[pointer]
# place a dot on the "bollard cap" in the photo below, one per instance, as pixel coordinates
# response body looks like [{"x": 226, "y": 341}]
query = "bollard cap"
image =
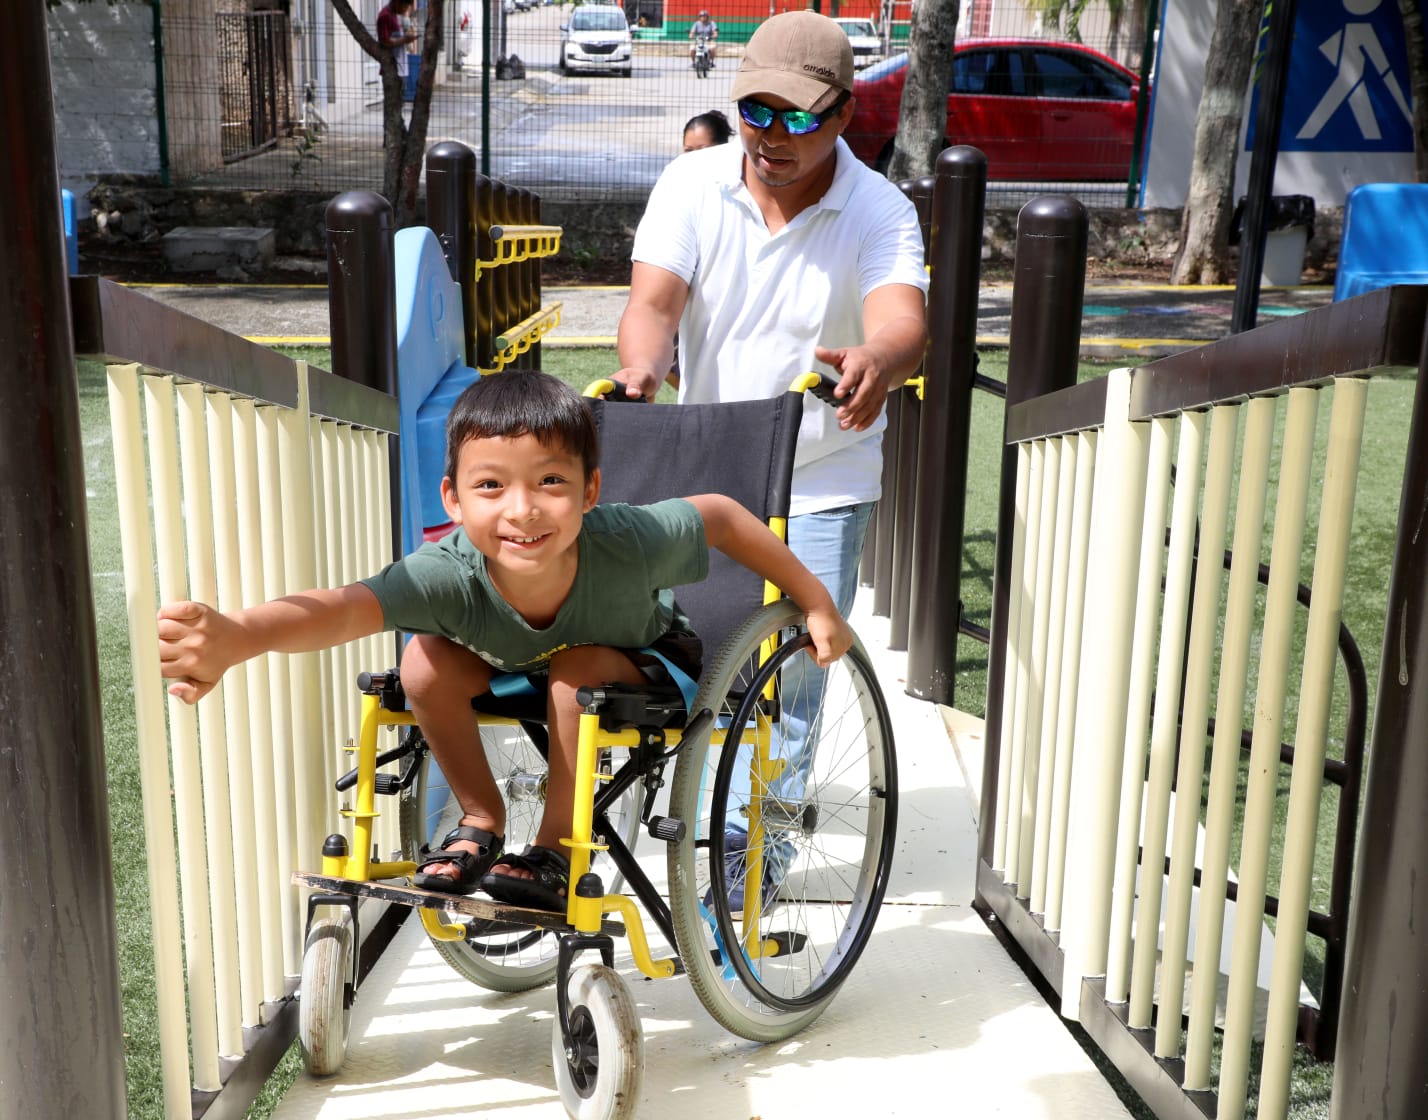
[{"x": 354, "y": 210}]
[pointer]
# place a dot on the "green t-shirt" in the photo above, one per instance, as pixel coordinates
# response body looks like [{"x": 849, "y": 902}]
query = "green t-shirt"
[{"x": 630, "y": 556}]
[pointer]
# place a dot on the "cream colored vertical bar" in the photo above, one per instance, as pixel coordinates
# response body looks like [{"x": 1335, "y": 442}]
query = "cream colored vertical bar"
[
  {"x": 1147, "y": 615},
  {"x": 351, "y": 661},
  {"x": 326, "y": 758},
  {"x": 342, "y": 727},
  {"x": 162, "y": 428},
  {"x": 367, "y": 563},
  {"x": 227, "y": 555},
  {"x": 251, "y": 544},
  {"x": 1170, "y": 664},
  {"x": 280, "y": 709},
  {"x": 1011, "y": 655},
  {"x": 1018, "y": 805},
  {"x": 136, "y": 546},
  {"x": 1055, "y": 636},
  {"x": 1042, "y": 579},
  {"x": 217, "y": 814},
  {"x": 1086, "y": 447},
  {"x": 1336, "y": 511},
  {"x": 386, "y": 642},
  {"x": 1280, "y": 604},
  {"x": 1223, "y": 803},
  {"x": 305, "y": 669},
  {"x": 1118, "y": 506},
  {"x": 1204, "y": 631}
]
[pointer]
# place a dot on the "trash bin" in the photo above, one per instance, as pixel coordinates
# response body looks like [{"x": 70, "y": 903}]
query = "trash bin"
[{"x": 1289, "y": 223}]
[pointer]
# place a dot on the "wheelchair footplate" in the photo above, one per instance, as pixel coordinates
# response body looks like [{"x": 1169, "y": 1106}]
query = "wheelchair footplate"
[{"x": 483, "y": 909}]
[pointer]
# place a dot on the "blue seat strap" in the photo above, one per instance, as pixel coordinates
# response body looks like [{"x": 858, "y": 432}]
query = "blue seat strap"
[
  {"x": 687, "y": 685},
  {"x": 504, "y": 685}
]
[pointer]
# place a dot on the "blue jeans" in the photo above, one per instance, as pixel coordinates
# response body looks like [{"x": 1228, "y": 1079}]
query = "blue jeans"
[{"x": 830, "y": 544}]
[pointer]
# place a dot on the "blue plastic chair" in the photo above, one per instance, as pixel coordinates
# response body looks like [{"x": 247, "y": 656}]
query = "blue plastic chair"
[{"x": 1385, "y": 238}]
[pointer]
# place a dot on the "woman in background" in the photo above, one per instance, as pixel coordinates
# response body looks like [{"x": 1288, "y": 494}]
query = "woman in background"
[{"x": 706, "y": 130}]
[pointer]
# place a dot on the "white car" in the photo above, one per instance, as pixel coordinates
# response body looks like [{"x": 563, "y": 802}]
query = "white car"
[
  {"x": 866, "y": 42},
  {"x": 597, "y": 38}
]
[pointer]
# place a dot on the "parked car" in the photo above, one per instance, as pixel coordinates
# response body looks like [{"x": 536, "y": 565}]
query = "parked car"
[
  {"x": 1039, "y": 110},
  {"x": 597, "y": 38},
  {"x": 867, "y": 43}
]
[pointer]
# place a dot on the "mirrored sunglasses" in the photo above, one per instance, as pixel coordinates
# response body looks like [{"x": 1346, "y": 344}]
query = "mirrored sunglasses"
[{"x": 796, "y": 122}]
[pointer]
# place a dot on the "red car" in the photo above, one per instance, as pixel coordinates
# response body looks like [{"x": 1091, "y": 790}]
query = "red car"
[{"x": 1037, "y": 109}]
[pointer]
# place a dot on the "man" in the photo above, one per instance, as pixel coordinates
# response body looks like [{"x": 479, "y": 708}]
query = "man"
[
  {"x": 782, "y": 255},
  {"x": 706, "y": 27},
  {"x": 392, "y": 32}
]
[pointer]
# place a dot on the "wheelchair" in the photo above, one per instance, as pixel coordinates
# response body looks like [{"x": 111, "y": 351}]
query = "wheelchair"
[{"x": 779, "y": 818}]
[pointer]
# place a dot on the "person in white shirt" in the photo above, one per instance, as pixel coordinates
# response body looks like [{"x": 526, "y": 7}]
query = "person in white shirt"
[{"x": 781, "y": 255}]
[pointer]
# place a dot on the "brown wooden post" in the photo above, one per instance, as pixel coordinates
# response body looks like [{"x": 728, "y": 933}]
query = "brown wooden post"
[
  {"x": 61, "y": 1038},
  {"x": 1379, "y": 1069},
  {"x": 955, "y": 245},
  {"x": 451, "y": 210}
]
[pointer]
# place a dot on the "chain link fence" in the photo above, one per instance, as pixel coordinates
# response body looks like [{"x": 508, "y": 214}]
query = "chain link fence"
[{"x": 589, "y": 102}]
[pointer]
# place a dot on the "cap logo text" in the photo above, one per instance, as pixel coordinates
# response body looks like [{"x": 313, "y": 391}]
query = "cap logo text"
[{"x": 821, "y": 71}]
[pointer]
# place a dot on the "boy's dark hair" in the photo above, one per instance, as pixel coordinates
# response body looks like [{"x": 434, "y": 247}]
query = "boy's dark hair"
[{"x": 522, "y": 402}]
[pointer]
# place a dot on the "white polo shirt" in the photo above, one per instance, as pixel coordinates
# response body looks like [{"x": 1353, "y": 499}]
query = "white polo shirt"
[{"x": 759, "y": 304}]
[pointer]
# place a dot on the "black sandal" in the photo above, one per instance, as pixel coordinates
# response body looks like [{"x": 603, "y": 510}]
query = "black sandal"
[
  {"x": 547, "y": 891},
  {"x": 470, "y": 866}
]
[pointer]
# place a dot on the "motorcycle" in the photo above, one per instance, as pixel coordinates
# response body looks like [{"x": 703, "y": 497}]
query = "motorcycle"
[{"x": 703, "y": 63}]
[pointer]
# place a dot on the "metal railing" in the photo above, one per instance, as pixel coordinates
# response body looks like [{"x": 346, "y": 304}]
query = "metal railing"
[
  {"x": 263, "y": 476},
  {"x": 1113, "y": 655}
]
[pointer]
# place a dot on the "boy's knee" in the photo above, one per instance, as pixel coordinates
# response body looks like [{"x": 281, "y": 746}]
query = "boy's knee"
[{"x": 419, "y": 670}]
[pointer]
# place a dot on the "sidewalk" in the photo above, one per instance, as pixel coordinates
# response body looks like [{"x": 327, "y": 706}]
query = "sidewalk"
[{"x": 1139, "y": 322}]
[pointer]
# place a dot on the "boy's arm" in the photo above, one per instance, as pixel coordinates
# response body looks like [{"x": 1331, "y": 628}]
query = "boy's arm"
[
  {"x": 197, "y": 643},
  {"x": 741, "y": 536}
]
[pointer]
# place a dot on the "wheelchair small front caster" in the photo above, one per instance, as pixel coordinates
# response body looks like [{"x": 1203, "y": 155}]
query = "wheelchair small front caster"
[
  {"x": 324, "y": 1006},
  {"x": 599, "y": 1079}
]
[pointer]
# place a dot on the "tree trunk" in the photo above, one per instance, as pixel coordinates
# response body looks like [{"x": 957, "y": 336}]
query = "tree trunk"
[
  {"x": 1205, "y": 227},
  {"x": 922, "y": 115},
  {"x": 1413, "y": 37},
  {"x": 403, "y": 146}
]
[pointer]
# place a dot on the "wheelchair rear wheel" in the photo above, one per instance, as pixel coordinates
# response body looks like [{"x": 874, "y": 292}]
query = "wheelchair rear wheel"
[
  {"x": 499, "y": 956},
  {"x": 822, "y": 832}
]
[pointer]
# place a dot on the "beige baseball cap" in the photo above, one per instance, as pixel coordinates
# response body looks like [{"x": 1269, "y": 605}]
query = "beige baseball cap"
[{"x": 803, "y": 57}]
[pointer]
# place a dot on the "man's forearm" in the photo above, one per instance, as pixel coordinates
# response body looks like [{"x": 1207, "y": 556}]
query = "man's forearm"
[
  {"x": 645, "y": 342},
  {"x": 899, "y": 345}
]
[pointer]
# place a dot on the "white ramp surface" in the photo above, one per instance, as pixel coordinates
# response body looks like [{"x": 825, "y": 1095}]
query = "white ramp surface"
[{"x": 935, "y": 1020}]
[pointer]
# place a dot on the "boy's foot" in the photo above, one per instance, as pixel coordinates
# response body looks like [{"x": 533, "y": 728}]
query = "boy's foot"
[
  {"x": 461, "y": 868},
  {"x": 546, "y": 887}
]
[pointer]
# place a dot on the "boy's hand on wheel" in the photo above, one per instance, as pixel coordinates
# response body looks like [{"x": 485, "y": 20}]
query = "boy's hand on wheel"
[{"x": 831, "y": 635}]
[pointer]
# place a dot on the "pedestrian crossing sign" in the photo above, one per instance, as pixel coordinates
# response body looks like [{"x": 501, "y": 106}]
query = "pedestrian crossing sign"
[{"x": 1348, "y": 88}]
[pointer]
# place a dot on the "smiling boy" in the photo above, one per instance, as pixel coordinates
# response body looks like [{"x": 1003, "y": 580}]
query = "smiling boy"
[{"x": 536, "y": 579}]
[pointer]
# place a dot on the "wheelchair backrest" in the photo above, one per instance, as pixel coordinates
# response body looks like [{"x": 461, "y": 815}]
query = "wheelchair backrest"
[{"x": 743, "y": 449}]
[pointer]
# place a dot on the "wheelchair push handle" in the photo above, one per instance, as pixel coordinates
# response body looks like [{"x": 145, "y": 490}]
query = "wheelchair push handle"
[
  {"x": 822, "y": 388},
  {"x": 613, "y": 391}
]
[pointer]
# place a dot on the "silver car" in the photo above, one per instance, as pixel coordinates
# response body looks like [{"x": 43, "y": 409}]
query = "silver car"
[{"x": 597, "y": 38}]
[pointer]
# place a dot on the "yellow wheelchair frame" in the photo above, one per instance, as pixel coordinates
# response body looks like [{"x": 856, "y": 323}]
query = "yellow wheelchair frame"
[{"x": 596, "y": 1045}]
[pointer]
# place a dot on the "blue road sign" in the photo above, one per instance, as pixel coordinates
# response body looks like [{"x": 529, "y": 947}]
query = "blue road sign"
[{"x": 1348, "y": 80}]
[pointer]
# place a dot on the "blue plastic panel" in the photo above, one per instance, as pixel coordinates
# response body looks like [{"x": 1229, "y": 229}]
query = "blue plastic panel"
[
  {"x": 1385, "y": 238},
  {"x": 430, "y": 354}
]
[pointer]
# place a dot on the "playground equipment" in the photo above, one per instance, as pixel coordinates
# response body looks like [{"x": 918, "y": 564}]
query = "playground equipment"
[{"x": 1385, "y": 238}]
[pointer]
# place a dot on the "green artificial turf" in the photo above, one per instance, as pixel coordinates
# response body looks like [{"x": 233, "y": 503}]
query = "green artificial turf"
[{"x": 1369, "y": 564}]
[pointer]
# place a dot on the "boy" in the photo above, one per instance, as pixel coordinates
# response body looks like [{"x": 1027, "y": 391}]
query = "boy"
[{"x": 535, "y": 578}]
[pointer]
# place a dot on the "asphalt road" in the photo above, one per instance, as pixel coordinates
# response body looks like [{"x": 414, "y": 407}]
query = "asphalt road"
[{"x": 564, "y": 133}]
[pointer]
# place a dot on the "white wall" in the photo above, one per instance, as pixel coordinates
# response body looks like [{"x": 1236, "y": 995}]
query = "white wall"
[
  {"x": 1327, "y": 176},
  {"x": 102, "y": 72}
]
